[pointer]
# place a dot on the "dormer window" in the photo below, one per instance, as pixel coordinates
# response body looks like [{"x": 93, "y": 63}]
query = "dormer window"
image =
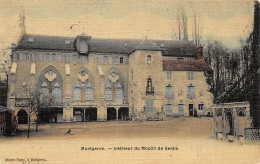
[
  {"x": 67, "y": 42},
  {"x": 121, "y": 60},
  {"x": 31, "y": 40}
]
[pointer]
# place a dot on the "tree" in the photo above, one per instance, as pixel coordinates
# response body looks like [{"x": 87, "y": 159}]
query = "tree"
[
  {"x": 196, "y": 31},
  {"x": 181, "y": 18},
  {"x": 35, "y": 101}
]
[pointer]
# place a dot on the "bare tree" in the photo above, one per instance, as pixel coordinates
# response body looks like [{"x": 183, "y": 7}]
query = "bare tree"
[
  {"x": 181, "y": 18},
  {"x": 196, "y": 30},
  {"x": 35, "y": 100}
]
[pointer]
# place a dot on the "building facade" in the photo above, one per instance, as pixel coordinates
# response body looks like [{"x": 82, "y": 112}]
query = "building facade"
[{"x": 88, "y": 79}]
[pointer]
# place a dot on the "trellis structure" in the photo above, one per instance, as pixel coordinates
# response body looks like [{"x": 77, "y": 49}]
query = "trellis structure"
[{"x": 231, "y": 119}]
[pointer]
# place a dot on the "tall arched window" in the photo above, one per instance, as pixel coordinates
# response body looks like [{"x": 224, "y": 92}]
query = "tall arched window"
[
  {"x": 56, "y": 93},
  {"x": 119, "y": 93},
  {"x": 149, "y": 82},
  {"x": 44, "y": 93},
  {"x": 88, "y": 92},
  {"x": 108, "y": 92},
  {"x": 50, "y": 83},
  {"x": 77, "y": 92},
  {"x": 149, "y": 87}
]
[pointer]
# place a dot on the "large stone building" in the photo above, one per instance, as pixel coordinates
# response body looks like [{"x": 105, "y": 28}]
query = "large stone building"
[{"x": 104, "y": 79}]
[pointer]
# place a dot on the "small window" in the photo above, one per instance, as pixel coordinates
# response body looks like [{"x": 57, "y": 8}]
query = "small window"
[
  {"x": 149, "y": 59},
  {"x": 121, "y": 60},
  {"x": 132, "y": 75},
  {"x": 190, "y": 75},
  {"x": 169, "y": 75},
  {"x": 201, "y": 106}
]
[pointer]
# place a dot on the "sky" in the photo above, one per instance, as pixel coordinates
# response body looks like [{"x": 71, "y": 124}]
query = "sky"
[{"x": 226, "y": 21}]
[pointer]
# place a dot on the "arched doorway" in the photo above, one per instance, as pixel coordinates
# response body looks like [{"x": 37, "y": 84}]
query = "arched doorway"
[
  {"x": 22, "y": 117},
  {"x": 111, "y": 114},
  {"x": 230, "y": 122},
  {"x": 123, "y": 114}
]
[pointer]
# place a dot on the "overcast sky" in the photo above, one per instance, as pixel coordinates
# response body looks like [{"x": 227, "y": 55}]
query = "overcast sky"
[{"x": 227, "y": 21}]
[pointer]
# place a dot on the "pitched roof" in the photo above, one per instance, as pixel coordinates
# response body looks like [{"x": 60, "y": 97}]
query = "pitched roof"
[
  {"x": 168, "y": 47},
  {"x": 185, "y": 65},
  {"x": 4, "y": 109}
]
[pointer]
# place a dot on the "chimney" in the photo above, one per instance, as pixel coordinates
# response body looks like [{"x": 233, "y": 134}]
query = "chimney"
[{"x": 200, "y": 53}]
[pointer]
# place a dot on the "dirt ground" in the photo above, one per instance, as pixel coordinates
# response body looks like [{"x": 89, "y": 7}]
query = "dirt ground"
[{"x": 181, "y": 140}]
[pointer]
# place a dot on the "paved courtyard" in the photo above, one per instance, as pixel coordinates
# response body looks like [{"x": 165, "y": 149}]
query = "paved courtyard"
[{"x": 181, "y": 140}]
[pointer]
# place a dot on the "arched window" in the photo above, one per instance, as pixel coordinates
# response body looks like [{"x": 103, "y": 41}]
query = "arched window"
[
  {"x": 53, "y": 57},
  {"x": 56, "y": 93},
  {"x": 44, "y": 93},
  {"x": 105, "y": 59},
  {"x": 149, "y": 87},
  {"x": 77, "y": 92},
  {"x": 88, "y": 92},
  {"x": 149, "y": 82},
  {"x": 115, "y": 60},
  {"x": 119, "y": 93},
  {"x": 108, "y": 92},
  {"x": 47, "y": 57}
]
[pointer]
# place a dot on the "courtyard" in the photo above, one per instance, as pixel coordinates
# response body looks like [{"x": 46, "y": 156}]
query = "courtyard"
[{"x": 180, "y": 140}]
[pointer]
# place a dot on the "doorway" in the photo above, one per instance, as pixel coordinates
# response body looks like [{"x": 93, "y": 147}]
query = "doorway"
[
  {"x": 111, "y": 114},
  {"x": 123, "y": 114},
  {"x": 190, "y": 109},
  {"x": 230, "y": 123},
  {"x": 91, "y": 114},
  {"x": 22, "y": 117}
]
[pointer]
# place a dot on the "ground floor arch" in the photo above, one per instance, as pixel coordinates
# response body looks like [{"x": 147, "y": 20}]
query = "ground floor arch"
[
  {"x": 90, "y": 114},
  {"x": 22, "y": 117},
  {"x": 111, "y": 113},
  {"x": 123, "y": 113}
]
